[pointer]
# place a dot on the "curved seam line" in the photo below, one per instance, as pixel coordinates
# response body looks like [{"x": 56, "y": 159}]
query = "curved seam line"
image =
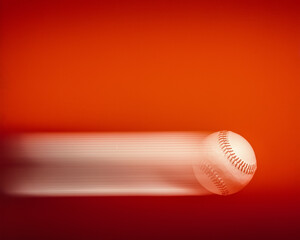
[
  {"x": 215, "y": 178},
  {"x": 231, "y": 155}
]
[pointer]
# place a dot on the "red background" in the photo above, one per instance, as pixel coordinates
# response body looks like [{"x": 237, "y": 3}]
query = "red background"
[{"x": 155, "y": 66}]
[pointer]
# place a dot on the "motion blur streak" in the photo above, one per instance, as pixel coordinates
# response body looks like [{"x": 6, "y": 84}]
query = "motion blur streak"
[{"x": 155, "y": 163}]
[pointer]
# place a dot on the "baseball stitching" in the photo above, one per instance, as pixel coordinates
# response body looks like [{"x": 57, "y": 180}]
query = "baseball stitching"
[
  {"x": 215, "y": 178},
  {"x": 232, "y": 157}
]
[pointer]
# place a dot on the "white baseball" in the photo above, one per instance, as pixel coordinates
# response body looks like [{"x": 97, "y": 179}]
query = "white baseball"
[{"x": 228, "y": 163}]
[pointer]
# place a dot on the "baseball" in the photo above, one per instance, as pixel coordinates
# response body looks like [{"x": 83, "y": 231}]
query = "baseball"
[
  {"x": 158, "y": 163},
  {"x": 228, "y": 163}
]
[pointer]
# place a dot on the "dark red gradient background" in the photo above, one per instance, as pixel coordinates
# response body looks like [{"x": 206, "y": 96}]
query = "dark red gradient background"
[{"x": 154, "y": 66}]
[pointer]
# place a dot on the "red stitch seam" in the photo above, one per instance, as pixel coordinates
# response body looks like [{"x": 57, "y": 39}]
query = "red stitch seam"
[
  {"x": 232, "y": 157},
  {"x": 215, "y": 178}
]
